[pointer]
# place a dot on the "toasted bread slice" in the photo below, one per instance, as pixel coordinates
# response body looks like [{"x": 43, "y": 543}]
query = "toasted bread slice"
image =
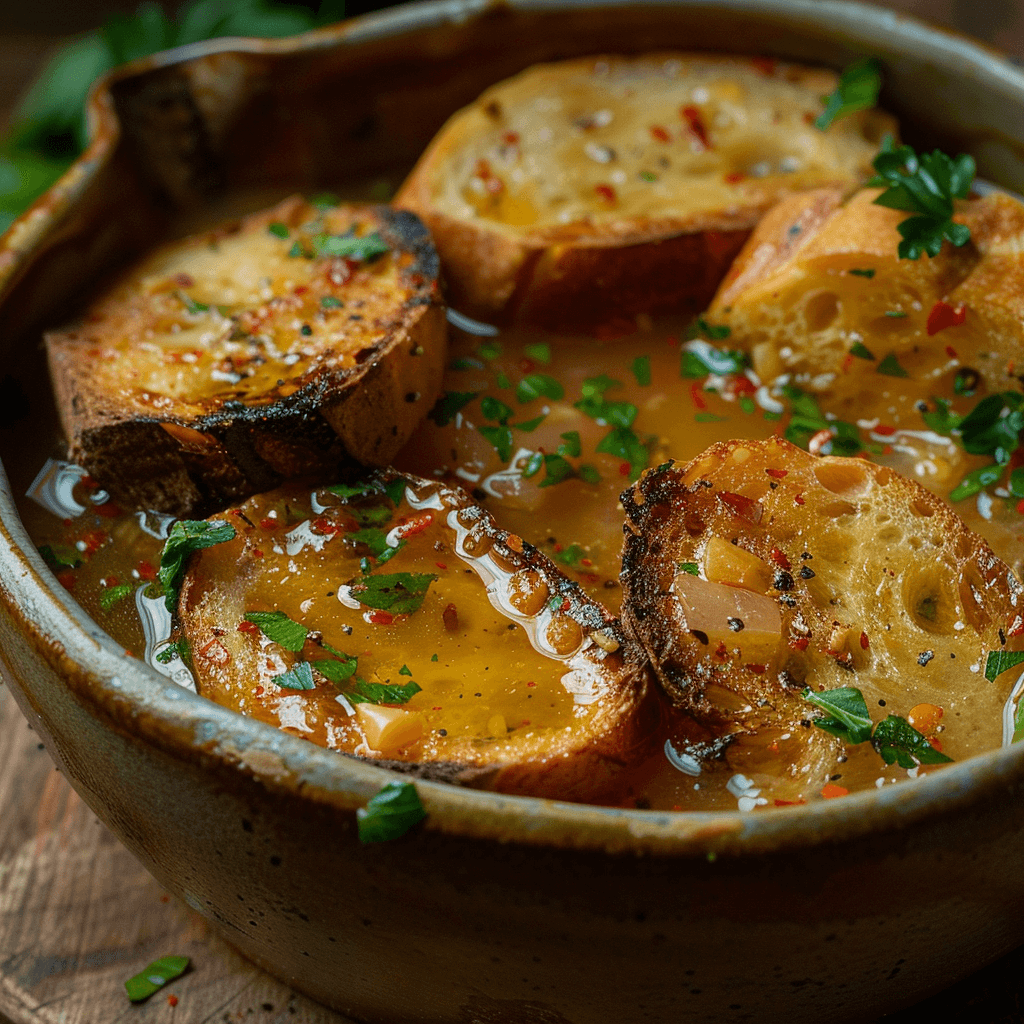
[
  {"x": 503, "y": 674},
  {"x": 292, "y": 341},
  {"x": 820, "y": 276},
  {"x": 758, "y": 570},
  {"x": 606, "y": 186}
]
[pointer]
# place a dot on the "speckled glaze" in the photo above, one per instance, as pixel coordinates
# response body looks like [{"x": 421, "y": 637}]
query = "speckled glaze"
[{"x": 498, "y": 910}]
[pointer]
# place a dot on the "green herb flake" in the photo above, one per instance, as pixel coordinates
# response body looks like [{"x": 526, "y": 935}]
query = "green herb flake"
[
  {"x": 999, "y": 662},
  {"x": 376, "y": 539},
  {"x": 689, "y": 567},
  {"x": 338, "y": 668},
  {"x": 558, "y": 469},
  {"x": 298, "y": 678},
  {"x": 330, "y": 302},
  {"x": 530, "y": 425},
  {"x": 847, "y": 711},
  {"x": 390, "y": 813},
  {"x": 539, "y": 352},
  {"x": 110, "y": 596},
  {"x": 895, "y": 314},
  {"x": 433, "y": 657},
  {"x": 501, "y": 379},
  {"x": 382, "y": 693},
  {"x": 153, "y": 978},
  {"x": 897, "y": 740},
  {"x": 191, "y": 305},
  {"x": 709, "y": 417},
  {"x": 648, "y": 176},
  {"x": 61, "y": 556},
  {"x": 588, "y": 474},
  {"x": 450, "y": 403},
  {"x": 641, "y": 368},
  {"x": 186, "y": 537},
  {"x": 280, "y": 629},
  {"x": 536, "y": 385},
  {"x": 500, "y": 438},
  {"x": 891, "y": 367},
  {"x": 278, "y": 229},
  {"x": 858, "y": 89},
  {"x": 698, "y": 359},
  {"x": 489, "y": 350},
  {"x": 976, "y": 481},
  {"x": 494, "y": 409},
  {"x": 924, "y": 185},
  {"x": 713, "y": 332},
  {"x": 175, "y": 649},
  {"x": 571, "y": 446},
  {"x": 748, "y": 405},
  {"x": 867, "y": 272},
  {"x": 465, "y": 363},
  {"x": 860, "y": 350},
  {"x": 366, "y": 249},
  {"x": 401, "y": 593},
  {"x": 594, "y": 404},
  {"x": 405, "y": 671},
  {"x": 623, "y": 443},
  {"x": 571, "y": 556}
]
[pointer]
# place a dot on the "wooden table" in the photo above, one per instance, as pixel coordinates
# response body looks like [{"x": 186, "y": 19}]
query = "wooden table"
[{"x": 78, "y": 915}]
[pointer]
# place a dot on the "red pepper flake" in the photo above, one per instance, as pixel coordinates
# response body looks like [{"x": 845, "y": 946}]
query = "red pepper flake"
[
  {"x": 381, "y": 618},
  {"x": 951, "y": 352},
  {"x": 696, "y": 395},
  {"x": 830, "y": 791},
  {"x": 527, "y": 365},
  {"x": 659, "y": 134},
  {"x": 414, "y": 524},
  {"x": 605, "y": 192},
  {"x": 944, "y": 315},
  {"x": 172, "y": 1000},
  {"x": 778, "y": 556},
  {"x": 586, "y": 561},
  {"x": 734, "y": 177},
  {"x": 740, "y": 386},
  {"x": 799, "y": 643},
  {"x": 789, "y": 803},
  {"x": 436, "y": 707},
  {"x": 441, "y": 565},
  {"x": 93, "y": 541},
  {"x": 531, "y": 683},
  {"x": 624, "y": 469},
  {"x": 245, "y": 626},
  {"x": 259, "y": 691},
  {"x": 864, "y": 642},
  {"x": 777, "y": 474},
  {"x": 756, "y": 668},
  {"x": 799, "y": 499},
  {"x": 742, "y": 507},
  {"x": 165, "y": 898},
  {"x": 695, "y": 123},
  {"x": 302, "y": 289},
  {"x": 145, "y": 571},
  {"x": 885, "y": 430},
  {"x": 450, "y": 615},
  {"x": 818, "y": 440},
  {"x": 216, "y": 652},
  {"x": 566, "y": 604},
  {"x": 847, "y": 363},
  {"x": 90, "y": 483},
  {"x": 257, "y": 553},
  {"x": 483, "y": 170},
  {"x": 1016, "y": 627},
  {"x": 721, "y": 651},
  {"x": 269, "y": 524},
  {"x": 66, "y": 579},
  {"x": 671, "y": 339},
  {"x": 108, "y": 510},
  {"x": 510, "y": 138},
  {"x": 323, "y": 525},
  {"x": 183, "y": 280},
  {"x": 767, "y": 66},
  {"x": 1020, "y": 507}
]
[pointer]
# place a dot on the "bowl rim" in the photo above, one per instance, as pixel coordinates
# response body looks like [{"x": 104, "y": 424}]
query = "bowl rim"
[{"x": 131, "y": 696}]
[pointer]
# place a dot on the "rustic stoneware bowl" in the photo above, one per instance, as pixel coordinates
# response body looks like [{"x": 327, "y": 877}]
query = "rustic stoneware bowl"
[{"x": 498, "y": 909}]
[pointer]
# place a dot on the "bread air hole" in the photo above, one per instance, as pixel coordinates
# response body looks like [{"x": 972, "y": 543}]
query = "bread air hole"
[
  {"x": 848, "y": 479},
  {"x": 929, "y": 600},
  {"x": 821, "y": 311}
]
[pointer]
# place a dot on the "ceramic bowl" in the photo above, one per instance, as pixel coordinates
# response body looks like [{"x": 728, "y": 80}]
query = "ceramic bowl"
[{"x": 497, "y": 909}]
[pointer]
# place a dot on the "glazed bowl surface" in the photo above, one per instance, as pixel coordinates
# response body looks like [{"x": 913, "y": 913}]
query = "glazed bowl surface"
[{"x": 498, "y": 909}]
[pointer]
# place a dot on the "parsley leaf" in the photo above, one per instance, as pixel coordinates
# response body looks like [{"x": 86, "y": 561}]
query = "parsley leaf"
[
  {"x": 623, "y": 443},
  {"x": 337, "y": 669},
  {"x": 298, "y": 678},
  {"x": 860, "y": 350},
  {"x": 999, "y": 662},
  {"x": 280, "y": 629},
  {"x": 594, "y": 404},
  {"x": 390, "y": 813},
  {"x": 867, "y": 272},
  {"x": 540, "y": 352},
  {"x": 376, "y": 540},
  {"x": 807, "y": 419},
  {"x": 382, "y": 693},
  {"x": 689, "y": 567},
  {"x": 891, "y": 367},
  {"x": 897, "y": 740},
  {"x": 153, "y": 978},
  {"x": 61, "y": 556},
  {"x": 367, "y": 249},
  {"x": 186, "y": 537},
  {"x": 401, "y": 592},
  {"x": 449, "y": 404},
  {"x": 495, "y": 409},
  {"x": 175, "y": 649},
  {"x": 278, "y": 229},
  {"x": 924, "y": 185},
  {"x": 571, "y": 444},
  {"x": 500, "y": 438},
  {"x": 848, "y": 713},
  {"x": 110, "y": 596},
  {"x": 976, "y": 481},
  {"x": 714, "y": 332},
  {"x": 858, "y": 89},
  {"x": 571, "y": 556},
  {"x": 698, "y": 359},
  {"x": 530, "y": 425},
  {"x": 536, "y": 384},
  {"x": 641, "y": 368}
]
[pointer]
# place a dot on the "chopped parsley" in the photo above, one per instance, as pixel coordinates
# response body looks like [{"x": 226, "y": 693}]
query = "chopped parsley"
[
  {"x": 61, "y": 556},
  {"x": 489, "y": 350},
  {"x": 999, "y": 662},
  {"x": 641, "y": 368},
  {"x": 280, "y": 629},
  {"x": 860, "y": 350},
  {"x": 112, "y": 595},
  {"x": 698, "y": 359},
  {"x": 175, "y": 649},
  {"x": 530, "y": 425},
  {"x": 390, "y": 813},
  {"x": 393, "y": 490},
  {"x": 571, "y": 556},
  {"x": 807, "y": 419},
  {"x": 330, "y": 302},
  {"x": 298, "y": 678},
  {"x": 450, "y": 403},
  {"x": 689, "y": 567},
  {"x": 537, "y": 384},
  {"x": 153, "y": 978},
  {"x": 401, "y": 593},
  {"x": 382, "y": 693},
  {"x": 570, "y": 446},
  {"x": 895, "y": 314},
  {"x": 897, "y": 740},
  {"x": 891, "y": 367},
  {"x": 337, "y": 669},
  {"x": 191, "y": 305},
  {"x": 501, "y": 378},
  {"x": 500, "y": 438},
  {"x": 405, "y": 671},
  {"x": 623, "y": 443},
  {"x": 495, "y": 409},
  {"x": 858, "y": 89},
  {"x": 278, "y": 229},
  {"x": 539, "y": 352},
  {"x": 925, "y": 186},
  {"x": 713, "y": 332},
  {"x": 186, "y": 537},
  {"x": 594, "y": 404},
  {"x": 366, "y": 249},
  {"x": 867, "y": 272},
  {"x": 376, "y": 540}
]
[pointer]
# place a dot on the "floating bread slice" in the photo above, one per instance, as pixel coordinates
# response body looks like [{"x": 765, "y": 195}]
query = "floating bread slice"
[
  {"x": 820, "y": 573},
  {"x": 598, "y": 187},
  {"x": 525, "y": 684},
  {"x": 295, "y": 340},
  {"x": 820, "y": 276}
]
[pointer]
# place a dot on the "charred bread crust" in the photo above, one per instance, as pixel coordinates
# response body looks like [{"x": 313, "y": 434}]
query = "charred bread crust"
[
  {"x": 612, "y": 710},
  {"x": 608, "y": 186},
  {"x": 876, "y": 583},
  {"x": 179, "y": 403},
  {"x": 821, "y": 271}
]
